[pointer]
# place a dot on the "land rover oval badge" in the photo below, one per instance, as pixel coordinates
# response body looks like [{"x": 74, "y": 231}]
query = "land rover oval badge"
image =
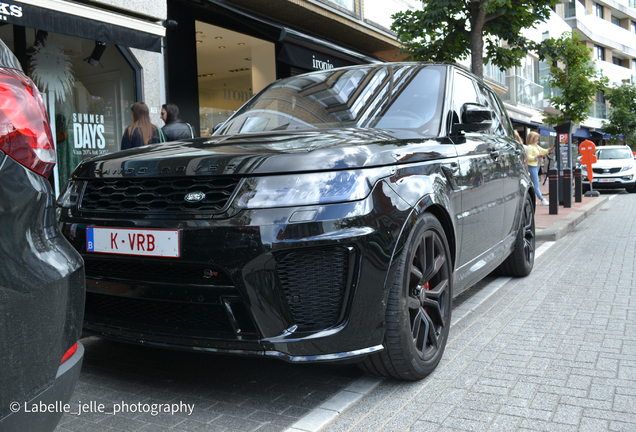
[{"x": 194, "y": 196}]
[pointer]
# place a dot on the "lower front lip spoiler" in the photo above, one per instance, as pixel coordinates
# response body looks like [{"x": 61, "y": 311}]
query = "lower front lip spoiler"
[{"x": 325, "y": 357}]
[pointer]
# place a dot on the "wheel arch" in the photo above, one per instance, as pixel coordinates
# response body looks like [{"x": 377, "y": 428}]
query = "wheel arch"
[{"x": 427, "y": 204}]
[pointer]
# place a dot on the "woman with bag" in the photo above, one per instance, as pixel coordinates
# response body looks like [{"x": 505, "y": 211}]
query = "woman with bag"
[
  {"x": 141, "y": 132},
  {"x": 534, "y": 154},
  {"x": 175, "y": 128}
]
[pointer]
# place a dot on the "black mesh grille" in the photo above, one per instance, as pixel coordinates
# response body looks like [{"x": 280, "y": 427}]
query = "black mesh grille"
[
  {"x": 314, "y": 283},
  {"x": 602, "y": 170},
  {"x": 157, "y": 195},
  {"x": 166, "y": 271},
  {"x": 184, "y": 316}
]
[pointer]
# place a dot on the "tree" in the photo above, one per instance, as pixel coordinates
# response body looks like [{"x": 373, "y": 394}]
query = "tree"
[
  {"x": 572, "y": 71},
  {"x": 622, "y": 114},
  {"x": 450, "y": 30}
]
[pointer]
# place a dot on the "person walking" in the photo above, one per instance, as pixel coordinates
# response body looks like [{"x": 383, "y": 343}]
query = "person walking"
[
  {"x": 175, "y": 128},
  {"x": 141, "y": 132},
  {"x": 534, "y": 154}
]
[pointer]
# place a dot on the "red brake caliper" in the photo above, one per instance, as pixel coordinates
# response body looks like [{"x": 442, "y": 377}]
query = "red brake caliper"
[{"x": 427, "y": 288}]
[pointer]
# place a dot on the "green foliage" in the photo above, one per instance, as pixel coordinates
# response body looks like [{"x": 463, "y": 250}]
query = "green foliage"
[
  {"x": 451, "y": 30},
  {"x": 622, "y": 114},
  {"x": 572, "y": 71}
]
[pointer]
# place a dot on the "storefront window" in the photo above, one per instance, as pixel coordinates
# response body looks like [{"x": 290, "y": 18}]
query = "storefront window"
[
  {"x": 231, "y": 68},
  {"x": 88, "y": 90}
]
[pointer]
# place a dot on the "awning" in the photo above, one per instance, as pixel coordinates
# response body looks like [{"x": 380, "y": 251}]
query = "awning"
[
  {"x": 296, "y": 48},
  {"x": 581, "y": 133},
  {"x": 543, "y": 129},
  {"x": 78, "y": 20},
  {"x": 311, "y": 53},
  {"x": 603, "y": 135}
]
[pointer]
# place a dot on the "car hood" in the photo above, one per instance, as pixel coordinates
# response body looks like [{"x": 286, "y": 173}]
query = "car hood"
[
  {"x": 613, "y": 163},
  {"x": 266, "y": 153}
]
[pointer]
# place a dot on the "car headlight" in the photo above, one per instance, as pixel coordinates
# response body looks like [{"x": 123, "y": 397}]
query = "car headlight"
[
  {"x": 308, "y": 189},
  {"x": 627, "y": 167},
  {"x": 69, "y": 197}
]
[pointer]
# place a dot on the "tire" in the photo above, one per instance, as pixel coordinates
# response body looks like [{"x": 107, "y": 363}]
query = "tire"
[
  {"x": 418, "y": 313},
  {"x": 521, "y": 260},
  {"x": 632, "y": 189}
]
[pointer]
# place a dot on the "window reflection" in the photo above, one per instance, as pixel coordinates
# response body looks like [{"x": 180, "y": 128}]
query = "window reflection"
[{"x": 387, "y": 97}]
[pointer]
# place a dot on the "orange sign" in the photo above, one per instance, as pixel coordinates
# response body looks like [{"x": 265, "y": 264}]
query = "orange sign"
[{"x": 587, "y": 150}]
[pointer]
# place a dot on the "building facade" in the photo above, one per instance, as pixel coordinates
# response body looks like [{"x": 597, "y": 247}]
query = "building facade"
[
  {"x": 93, "y": 59},
  {"x": 91, "y": 63}
]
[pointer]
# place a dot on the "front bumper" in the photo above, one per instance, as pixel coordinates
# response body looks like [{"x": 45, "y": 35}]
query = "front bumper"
[
  {"x": 252, "y": 284},
  {"x": 613, "y": 181},
  {"x": 43, "y": 412}
]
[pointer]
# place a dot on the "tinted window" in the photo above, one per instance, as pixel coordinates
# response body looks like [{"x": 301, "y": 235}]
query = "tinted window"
[
  {"x": 463, "y": 92},
  {"x": 499, "y": 121},
  {"x": 387, "y": 97}
]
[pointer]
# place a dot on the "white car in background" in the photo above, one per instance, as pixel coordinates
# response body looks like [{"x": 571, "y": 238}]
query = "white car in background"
[{"x": 614, "y": 169}]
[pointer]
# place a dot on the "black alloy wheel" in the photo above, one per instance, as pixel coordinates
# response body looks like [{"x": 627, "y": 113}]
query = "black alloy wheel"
[
  {"x": 521, "y": 260},
  {"x": 418, "y": 313}
]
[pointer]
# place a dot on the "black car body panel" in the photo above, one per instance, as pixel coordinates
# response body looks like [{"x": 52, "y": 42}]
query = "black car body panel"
[
  {"x": 41, "y": 300},
  {"x": 42, "y": 291},
  {"x": 302, "y": 274}
]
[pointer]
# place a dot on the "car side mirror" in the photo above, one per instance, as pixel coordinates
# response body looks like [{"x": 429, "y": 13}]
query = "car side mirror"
[{"x": 475, "y": 117}]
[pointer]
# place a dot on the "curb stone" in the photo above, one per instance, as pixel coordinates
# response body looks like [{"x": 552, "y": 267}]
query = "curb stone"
[{"x": 560, "y": 228}]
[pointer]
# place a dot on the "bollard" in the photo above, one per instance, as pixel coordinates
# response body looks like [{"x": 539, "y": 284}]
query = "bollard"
[
  {"x": 567, "y": 188},
  {"x": 553, "y": 182},
  {"x": 578, "y": 185}
]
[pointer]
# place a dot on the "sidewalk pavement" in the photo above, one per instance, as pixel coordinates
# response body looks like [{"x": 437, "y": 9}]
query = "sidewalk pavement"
[{"x": 550, "y": 227}]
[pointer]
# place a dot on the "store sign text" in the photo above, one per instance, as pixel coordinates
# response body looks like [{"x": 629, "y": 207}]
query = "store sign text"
[
  {"x": 237, "y": 95},
  {"x": 322, "y": 65},
  {"x": 9, "y": 9},
  {"x": 88, "y": 132}
]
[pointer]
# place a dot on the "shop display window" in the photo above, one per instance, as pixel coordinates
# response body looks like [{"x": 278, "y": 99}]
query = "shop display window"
[{"x": 88, "y": 89}]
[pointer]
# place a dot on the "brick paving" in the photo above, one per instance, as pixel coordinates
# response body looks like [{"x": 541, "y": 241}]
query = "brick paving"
[
  {"x": 229, "y": 393},
  {"x": 555, "y": 351}
]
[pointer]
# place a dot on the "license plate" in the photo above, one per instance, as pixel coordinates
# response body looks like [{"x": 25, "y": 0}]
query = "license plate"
[
  {"x": 606, "y": 180},
  {"x": 132, "y": 241}
]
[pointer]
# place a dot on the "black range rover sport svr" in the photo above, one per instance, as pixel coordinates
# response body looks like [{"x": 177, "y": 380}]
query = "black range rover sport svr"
[{"x": 334, "y": 216}]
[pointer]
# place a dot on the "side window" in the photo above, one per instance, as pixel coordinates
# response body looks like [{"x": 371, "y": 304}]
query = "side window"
[
  {"x": 498, "y": 127},
  {"x": 463, "y": 91}
]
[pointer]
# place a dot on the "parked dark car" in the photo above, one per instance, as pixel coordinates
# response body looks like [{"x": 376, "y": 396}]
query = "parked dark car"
[
  {"x": 333, "y": 217},
  {"x": 41, "y": 275}
]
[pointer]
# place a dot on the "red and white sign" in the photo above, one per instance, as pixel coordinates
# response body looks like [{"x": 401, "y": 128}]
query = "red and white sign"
[{"x": 132, "y": 241}]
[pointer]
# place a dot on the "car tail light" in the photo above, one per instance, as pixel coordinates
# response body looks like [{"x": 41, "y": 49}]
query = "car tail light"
[
  {"x": 25, "y": 132},
  {"x": 69, "y": 353}
]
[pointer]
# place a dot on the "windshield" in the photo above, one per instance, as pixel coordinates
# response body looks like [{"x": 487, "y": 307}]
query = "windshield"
[
  {"x": 616, "y": 153},
  {"x": 386, "y": 97}
]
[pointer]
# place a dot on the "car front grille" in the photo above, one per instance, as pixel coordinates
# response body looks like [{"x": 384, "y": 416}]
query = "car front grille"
[
  {"x": 164, "y": 271},
  {"x": 315, "y": 284},
  {"x": 602, "y": 170},
  {"x": 124, "y": 312},
  {"x": 158, "y": 195}
]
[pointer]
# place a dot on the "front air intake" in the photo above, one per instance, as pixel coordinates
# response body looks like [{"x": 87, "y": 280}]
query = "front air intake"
[{"x": 316, "y": 285}]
